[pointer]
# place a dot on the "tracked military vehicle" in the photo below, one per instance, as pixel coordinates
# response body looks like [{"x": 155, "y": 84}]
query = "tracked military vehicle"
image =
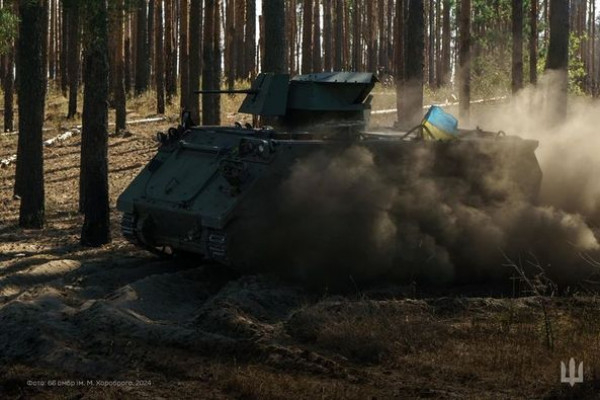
[{"x": 206, "y": 181}]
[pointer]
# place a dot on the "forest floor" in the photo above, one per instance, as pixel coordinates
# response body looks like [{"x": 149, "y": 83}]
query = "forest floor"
[{"x": 116, "y": 322}]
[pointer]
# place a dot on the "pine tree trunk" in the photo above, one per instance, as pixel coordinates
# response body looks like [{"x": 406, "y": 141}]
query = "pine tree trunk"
[
  {"x": 399, "y": 38},
  {"x": 209, "y": 77},
  {"x": 64, "y": 50},
  {"x": 431, "y": 64},
  {"x": 74, "y": 58},
  {"x": 438, "y": 44},
  {"x": 339, "y": 35},
  {"x": 94, "y": 135},
  {"x": 274, "y": 37},
  {"x": 381, "y": 50},
  {"x": 414, "y": 53},
  {"x": 464, "y": 67},
  {"x": 151, "y": 17},
  {"x": 160, "y": 60},
  {"x": 29, "y": 180},
  {"x": 307, "y": 23},
  {"x": 170, "y": 53},
  {"x": 291, "y": 34},
  {"x": 327, "y": 36},
  {"x": 119, "y": 79},
  {"x": 195, "y": 58},
  {"x": 230, "y": 43},
  {"x": 8, "y": 86},
  {"x": 317, "y": 57},
  {"x": 52, "y": 49},
  {"x": 446, "y": 35},
  {"x": 128, "y": 57},
  {"x": 517, "y": 45},
  {"x": 240, "y": 19},
  {"x": 250, "y": 39},
  {"x": 184, "y": 61},
  {"x": 558, "y": 60},
  {"x": 357, "y": 47},
  {"x": 142, "y": 66}
]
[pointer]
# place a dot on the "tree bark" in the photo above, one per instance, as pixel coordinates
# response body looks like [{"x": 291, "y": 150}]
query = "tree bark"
[
  {"x": 230, "y": 50},
  {"x": 339, "y": 35},
  {"x": 533, "y": 56},
  {"x": 210, "y": 77},
  {"x": 431, "y": 53},
  {"x": 327, "y": 36},
  {"x": 64, "y": 50},
  {"x": 29, "y": 180},
  {"x": 250, "y": 39},
  {"x": 307, "y": 23},
  {"x": 195, "y": 58},
  {"x": 414, "y": 54},
  {"x": 74, "y": 58},
  {"x": 274, "y": 37},
  {"x": 357, "y": 47},
  {"x": 142, "y": 66},
  {"x": 160, "y": 60},
  {"x": 400, "y": 75},
  {"x": 446, "y": 35},
  {"x": 558, "y": 60},
  {"x": 317, "y": 57},
  {"x": 119, "y": 79},
  {"x": 517, "y": 45},
  {"x": 8, "y": 85},
  {"x": 240, "y": 19},
  {"x": 94, "y": 135},
  {"x": 170, "y": 53},
  {"x": 184, "y": 61},
  {"x": 151, "y": 6},
  {"x": 464, "y": 60}
]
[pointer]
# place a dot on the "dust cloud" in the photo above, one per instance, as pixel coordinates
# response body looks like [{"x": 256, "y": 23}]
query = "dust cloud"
[{"x": 372, "y": 214}]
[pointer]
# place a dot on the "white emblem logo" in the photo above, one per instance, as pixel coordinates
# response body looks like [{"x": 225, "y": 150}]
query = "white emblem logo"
[{"x": 574, "y": 376}]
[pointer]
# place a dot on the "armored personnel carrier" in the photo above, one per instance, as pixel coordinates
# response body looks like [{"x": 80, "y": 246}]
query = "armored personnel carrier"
[{"x": 206, "y": 182}]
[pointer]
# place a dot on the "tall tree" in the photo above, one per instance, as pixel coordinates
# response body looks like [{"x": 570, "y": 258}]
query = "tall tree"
[
  {"x": 160, "y": 60},
  {"x": 170, "y": 53},
  {"x": 517, "y": 45},
  {"x": 317, "y": 56},
  {"x": 8, "y": 83},
  {"x": 274, "y": 37},
  {"x": 558, "y": 60},
  {"x": 210, "y": 73},
  {"x": 64, "y": 49},
  {"x": 142, "y": 66},
  {"x": 94, "y": 135},
  {"x": 151, "y": 6},
  {"x": 184, "y": 60},
  {"x": 464, "y": 60},
  {"x": 250, "y": 39},
  {"x": 357, "y": 48},
  {"x": 414, "y": 54},
  {"x": 307, "y": 23},
  {"x": 431, "y": 49},
  {"x": 29, "y": 180},
  {"x": 195, "y": 58},
  {"x": 327, "y": 36},
  {"x": 399, "y": 34},
  {"x": 338, "y": 41},
  {"x": 74, "y": 56},
  {"x": 533, "y": 39},
  {"x": 119, "y": 78},
  {"x": 446, "y": 35}
]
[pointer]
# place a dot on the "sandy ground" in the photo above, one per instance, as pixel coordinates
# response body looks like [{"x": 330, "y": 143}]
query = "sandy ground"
[{"x": 117, "y": 322}]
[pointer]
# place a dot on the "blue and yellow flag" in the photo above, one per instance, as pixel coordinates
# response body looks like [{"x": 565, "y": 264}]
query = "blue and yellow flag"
[{"x": 441, "y": 125}]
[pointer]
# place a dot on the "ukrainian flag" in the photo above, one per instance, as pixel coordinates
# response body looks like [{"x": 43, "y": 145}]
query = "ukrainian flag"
[{"x": 439, "y": 125}]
